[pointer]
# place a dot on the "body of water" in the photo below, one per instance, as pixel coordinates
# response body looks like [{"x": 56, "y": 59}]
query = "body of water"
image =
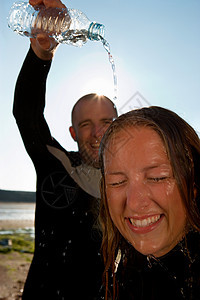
[
  {"x": 21, "y": 213},
  {"x": 17, "y": 211}
]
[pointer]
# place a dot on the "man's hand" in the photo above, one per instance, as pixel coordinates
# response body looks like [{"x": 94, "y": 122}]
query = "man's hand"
[{"x": 44, "y": 46}]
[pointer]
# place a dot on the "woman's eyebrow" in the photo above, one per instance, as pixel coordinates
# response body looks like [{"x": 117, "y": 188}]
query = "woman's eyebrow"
[
  {"x": 165, "y": 166},
  {"x": 114, "y": 173}
]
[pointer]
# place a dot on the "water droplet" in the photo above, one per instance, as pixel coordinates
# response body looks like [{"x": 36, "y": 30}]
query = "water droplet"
[{"x": 182, "y": 292}]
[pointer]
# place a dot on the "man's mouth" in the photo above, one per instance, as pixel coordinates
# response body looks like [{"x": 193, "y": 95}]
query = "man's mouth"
[
  {"x": 144, "y": 222},
  {"x": 95, "y": 146}
]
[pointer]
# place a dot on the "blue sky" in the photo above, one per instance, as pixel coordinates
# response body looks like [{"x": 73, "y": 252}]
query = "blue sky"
[{"x": 156, "y": 48}]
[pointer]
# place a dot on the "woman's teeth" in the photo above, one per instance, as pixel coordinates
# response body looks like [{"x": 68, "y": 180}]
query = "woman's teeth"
[{"x": 145, "y": 222}]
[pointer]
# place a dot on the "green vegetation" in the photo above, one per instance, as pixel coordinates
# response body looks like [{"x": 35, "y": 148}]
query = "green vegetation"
[{"x": 19, "y": 242}]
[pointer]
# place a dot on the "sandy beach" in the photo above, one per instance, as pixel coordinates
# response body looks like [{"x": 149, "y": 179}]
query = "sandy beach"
[
  {"x": 15, "y": 224},
  {"x": 14, "y": 265}
]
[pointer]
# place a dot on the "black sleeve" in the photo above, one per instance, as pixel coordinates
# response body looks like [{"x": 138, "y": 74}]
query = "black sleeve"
[{"x": 29, "y": 103}]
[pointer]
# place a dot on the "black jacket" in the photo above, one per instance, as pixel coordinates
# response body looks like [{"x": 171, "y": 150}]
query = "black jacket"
[
  {"x": 66, "y": 262},
  {"x": 175, "y": 276}
]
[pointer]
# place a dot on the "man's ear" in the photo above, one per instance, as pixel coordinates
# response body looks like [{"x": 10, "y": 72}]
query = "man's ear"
[{"x": 73, "y": 133}]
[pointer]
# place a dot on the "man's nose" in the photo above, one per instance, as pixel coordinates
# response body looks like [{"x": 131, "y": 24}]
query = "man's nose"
[{"x": 98, "y": 131}]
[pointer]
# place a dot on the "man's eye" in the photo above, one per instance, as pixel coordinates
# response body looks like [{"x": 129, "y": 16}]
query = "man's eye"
[
  {"x": 84, "y": 125},
  {"x": 107, "y": 122}
]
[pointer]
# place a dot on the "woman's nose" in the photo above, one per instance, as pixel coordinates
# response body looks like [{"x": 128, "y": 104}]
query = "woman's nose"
[{"x": 137, "y": 196}]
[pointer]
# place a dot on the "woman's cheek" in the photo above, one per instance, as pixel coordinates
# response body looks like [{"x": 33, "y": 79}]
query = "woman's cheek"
[{"x": 116, "y": 201}]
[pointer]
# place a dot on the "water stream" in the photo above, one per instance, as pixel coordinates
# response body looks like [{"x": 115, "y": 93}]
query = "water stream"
[{"x": 106, "y": 46}]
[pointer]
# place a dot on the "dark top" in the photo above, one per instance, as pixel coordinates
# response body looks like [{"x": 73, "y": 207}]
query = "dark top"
[
  {"x": 66, "y": 262},
  {"x": 175, "y": 276}
]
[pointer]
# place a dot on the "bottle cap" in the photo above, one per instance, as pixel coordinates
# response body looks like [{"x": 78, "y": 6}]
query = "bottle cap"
[{"x": 96, "y": 31}]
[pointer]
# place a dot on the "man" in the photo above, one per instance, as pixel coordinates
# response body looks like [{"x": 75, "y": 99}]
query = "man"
[{"x": 67, "y": 262}]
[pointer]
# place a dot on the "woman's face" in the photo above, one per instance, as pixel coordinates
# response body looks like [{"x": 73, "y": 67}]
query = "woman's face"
[{"x": 142, "y": 194}]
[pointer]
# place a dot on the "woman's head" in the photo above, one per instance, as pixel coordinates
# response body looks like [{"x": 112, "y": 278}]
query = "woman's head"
[{"x": 150, "y": 165}]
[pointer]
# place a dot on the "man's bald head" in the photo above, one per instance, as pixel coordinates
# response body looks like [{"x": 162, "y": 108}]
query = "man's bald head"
[{"x": 91, "y": 97}]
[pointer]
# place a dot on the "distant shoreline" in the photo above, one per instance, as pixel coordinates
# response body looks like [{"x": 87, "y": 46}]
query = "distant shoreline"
[
  {"x": 17, "y": 204},
  {"x": 17, "y": 196}
]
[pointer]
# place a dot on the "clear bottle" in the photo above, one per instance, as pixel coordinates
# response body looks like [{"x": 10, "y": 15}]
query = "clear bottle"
[{"x": 68, "y": 26}]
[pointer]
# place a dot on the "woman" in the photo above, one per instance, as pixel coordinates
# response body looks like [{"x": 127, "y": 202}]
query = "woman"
[{"x": 150, "y": 214}]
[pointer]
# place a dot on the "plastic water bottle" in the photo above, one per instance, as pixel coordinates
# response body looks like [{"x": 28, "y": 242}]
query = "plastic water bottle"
[{"x": 68, "y": 26}]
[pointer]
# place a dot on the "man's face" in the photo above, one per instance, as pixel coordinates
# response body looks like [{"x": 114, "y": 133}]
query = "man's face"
[{"x": 90, "y": 121}]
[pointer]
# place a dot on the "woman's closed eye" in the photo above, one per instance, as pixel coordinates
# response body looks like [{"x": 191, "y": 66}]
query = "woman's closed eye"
[
  {"x": 157, "y": 179},
  {"x": 117, "y": 183}
]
